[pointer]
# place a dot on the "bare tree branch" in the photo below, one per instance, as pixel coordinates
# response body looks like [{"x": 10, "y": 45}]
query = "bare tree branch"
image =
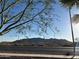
[
  {"x": 18, "y": 13},
  {"x": 13, "y": 17},
  {"x": 2, "y": 8},
  {"x": 15, "y": 20},
  {"x": 9, "y": 6},
  {"x": 19, "y": 17},
  {"x": 23, "y": 22}
]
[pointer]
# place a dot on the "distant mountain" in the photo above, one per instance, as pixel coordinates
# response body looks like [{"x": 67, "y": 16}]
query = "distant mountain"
[{"x": 39, "y": 42}]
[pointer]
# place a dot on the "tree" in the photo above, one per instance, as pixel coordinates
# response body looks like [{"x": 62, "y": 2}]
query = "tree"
[
  {"x": 69, "y": 4},
  {"x": 75, "y": 18},
  {"x": 22, "y": 14}
]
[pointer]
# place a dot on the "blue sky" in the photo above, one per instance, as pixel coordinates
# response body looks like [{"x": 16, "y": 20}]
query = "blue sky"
[{"x": 63, "y": 25}]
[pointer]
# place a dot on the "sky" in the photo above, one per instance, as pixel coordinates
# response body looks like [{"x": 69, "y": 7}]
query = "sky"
[{"x": 62, "y": 23}]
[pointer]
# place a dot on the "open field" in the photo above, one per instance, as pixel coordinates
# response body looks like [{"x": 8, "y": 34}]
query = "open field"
[
  {"x": 38, "y": 50},
  {"x": 33, "y": 53}
]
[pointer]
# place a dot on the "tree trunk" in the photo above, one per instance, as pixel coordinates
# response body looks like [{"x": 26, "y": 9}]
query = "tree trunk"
[{"x": 72, "y": 32}]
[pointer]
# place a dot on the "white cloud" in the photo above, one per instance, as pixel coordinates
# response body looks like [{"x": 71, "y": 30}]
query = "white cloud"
[{"x": 76, "y": 30}]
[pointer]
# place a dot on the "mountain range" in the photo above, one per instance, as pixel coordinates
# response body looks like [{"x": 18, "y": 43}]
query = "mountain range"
[{"x": 39, "y": 42}]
